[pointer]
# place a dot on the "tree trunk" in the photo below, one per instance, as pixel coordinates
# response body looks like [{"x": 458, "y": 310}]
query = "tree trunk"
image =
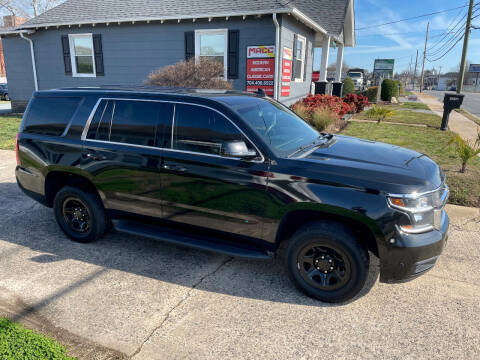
[{"x": 464, "y": 167}]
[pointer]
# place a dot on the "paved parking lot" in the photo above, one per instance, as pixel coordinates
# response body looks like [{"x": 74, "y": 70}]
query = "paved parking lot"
[{"x": 149, "y": 300}]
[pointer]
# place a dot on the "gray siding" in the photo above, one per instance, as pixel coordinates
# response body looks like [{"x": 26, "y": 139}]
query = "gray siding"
[
  {"x": 130, "y": 52},
  {"x": 289, "y": 27},
  {"x": 18, "y": 65}
]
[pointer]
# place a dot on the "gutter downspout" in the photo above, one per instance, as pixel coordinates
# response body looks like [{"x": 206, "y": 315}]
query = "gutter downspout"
[
  {"x": 34, "y": 66},
  {"x": 277, "y": 56}
]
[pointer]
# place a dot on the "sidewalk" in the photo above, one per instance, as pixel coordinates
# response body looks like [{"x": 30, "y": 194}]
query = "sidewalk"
[{"x": 458, "y": 123}]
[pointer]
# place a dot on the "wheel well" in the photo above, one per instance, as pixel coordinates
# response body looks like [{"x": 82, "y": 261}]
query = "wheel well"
[
  {"x": 58, "y": 179},
  {"x": 296, "y": 219}
]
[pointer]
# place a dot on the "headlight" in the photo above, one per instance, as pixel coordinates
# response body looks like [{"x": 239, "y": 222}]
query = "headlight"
[{"x": 424, "y": 210}]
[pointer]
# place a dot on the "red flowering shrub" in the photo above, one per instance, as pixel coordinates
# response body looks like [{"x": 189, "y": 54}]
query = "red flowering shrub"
[
  {"x": 356, "y": 102},
  {"x": 333, "y": 103}
]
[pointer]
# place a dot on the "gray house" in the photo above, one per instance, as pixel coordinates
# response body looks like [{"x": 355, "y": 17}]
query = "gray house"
[{"x": 264, "y": 44}]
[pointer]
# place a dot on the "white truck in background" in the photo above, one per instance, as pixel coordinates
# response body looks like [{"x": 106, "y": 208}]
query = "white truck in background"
[{"x": 358, "y": 77}]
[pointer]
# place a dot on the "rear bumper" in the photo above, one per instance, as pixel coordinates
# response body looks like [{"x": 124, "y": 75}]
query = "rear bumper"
[
  {"x": 412, "y": 254},
  {"x": 32, "y": 194}
]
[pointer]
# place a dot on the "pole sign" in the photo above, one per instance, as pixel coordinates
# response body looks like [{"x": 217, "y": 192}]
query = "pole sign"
[
  {"x": 261, "y": 69},
  {"x": 286, "y": 71},
  {"x": 383, "y": 67},
  {"x": 474, "y": 68}
]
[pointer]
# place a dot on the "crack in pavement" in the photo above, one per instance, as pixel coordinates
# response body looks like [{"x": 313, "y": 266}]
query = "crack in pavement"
[{"x": 187, "y": 295}]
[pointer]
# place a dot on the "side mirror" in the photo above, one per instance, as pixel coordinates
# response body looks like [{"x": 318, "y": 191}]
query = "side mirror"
[{"x": 238, "y": 149}]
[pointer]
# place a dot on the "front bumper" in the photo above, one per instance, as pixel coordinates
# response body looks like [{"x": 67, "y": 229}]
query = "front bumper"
[{"x": 412, "y": 255}]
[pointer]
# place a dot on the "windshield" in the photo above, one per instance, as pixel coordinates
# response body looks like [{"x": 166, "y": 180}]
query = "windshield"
[
  {"x": 277, "y": 125},
  {"x": 355, "y": 75}
]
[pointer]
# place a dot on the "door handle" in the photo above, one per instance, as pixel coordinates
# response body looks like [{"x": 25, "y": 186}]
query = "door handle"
[
  {"x": 175, "y": 168},
  {"x": 95, "y": 157}
]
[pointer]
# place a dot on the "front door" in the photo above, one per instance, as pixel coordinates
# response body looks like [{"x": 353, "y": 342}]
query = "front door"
[{"x": 200, "y": 186}]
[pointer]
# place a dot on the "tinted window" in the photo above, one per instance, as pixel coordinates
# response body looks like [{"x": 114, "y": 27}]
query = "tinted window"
[
  {"x": 133, "y": 122},
  {"x": 50, "y": 115},
  {"x": 200, "y": 129}
]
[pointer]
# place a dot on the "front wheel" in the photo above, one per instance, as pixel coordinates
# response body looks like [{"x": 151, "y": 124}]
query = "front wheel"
[
  {"x": 326, "y": 262},
  {"x": 80, "y": 214}
]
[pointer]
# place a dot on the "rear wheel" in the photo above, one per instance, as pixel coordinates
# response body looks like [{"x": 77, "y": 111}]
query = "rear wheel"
[
  {"x": 80, "y": 214},
  {"x": 325, "y": 261}
]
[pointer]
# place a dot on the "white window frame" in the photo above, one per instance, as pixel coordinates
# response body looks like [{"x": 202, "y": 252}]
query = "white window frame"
[
  {"x": 303, "y": 40},
  {"x": 223, "y": 32},
  {"x": 71, "y": 38}
]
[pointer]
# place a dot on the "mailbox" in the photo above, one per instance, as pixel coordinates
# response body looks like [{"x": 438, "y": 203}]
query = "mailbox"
[{"x": 450, "y": 102}]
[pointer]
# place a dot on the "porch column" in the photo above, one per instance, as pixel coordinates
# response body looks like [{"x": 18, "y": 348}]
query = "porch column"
[
  {"x": 321, "y": 86},
  {"x": 324, "y": 62},
  {"x": 337, "y": 85},
  {"x": 338, "y": 73}
]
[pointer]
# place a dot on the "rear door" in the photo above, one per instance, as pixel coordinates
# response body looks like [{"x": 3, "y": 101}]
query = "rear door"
[
  {"x": 121, "y": 152},
  {"x": 203, "y": 188}
]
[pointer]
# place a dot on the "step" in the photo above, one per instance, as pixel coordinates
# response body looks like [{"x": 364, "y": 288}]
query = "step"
[{"x": 190, "y": 240}]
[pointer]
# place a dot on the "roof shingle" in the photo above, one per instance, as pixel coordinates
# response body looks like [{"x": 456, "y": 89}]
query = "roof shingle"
[{"x": 329, "y": 14}]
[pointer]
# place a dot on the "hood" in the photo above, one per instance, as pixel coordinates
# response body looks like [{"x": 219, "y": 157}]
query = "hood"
[{"x": 374, "y": 165}]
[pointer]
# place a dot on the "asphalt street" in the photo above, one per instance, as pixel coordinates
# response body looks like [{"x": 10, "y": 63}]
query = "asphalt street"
[
  {"x": 471, "y": 101},
  {"x": 132, "y": 297}
]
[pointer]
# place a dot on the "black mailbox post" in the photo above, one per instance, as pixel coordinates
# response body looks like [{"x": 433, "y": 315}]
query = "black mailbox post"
[{"x": 450, "y": 102}]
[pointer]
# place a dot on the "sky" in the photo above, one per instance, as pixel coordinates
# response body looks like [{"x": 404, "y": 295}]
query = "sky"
[{"x": 401, "y": 40}]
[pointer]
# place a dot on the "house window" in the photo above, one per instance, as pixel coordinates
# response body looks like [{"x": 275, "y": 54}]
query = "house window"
[
  {"x": 300, "y": 58},
  {"x": 212, "y": 45},
  {"x": 82, "y": 55}
]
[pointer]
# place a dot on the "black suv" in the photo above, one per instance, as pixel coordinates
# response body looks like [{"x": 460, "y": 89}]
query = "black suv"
[{"x": 235, "y": 173}]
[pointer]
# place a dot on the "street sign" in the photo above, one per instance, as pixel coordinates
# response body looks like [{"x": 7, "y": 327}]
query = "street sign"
[
  {"x": 384, "y": 67},
  {"x": 474, "y": 68}
]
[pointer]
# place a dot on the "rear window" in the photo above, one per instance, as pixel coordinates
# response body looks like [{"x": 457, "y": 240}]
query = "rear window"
[{"x": 50, "y": 115}]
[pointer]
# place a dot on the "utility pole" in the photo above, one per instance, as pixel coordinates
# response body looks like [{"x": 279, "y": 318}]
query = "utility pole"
[
  {"x": 424, "y": 56},
  {"x": 409, "y": 76},
  {"x": 461, "y": 74},
  {"x": 438, "y": 81},
  {"x": 415, "y": 73}
]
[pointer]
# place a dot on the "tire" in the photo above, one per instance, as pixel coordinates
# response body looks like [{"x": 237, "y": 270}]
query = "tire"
[
  {"x": 318, "y": 247},
  {"x": 6, "y": 97},
  {"x": 80, "y": 214}
]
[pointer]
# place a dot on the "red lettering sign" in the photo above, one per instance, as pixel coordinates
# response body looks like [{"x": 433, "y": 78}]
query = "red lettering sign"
[{"x": 261, "y": 69}]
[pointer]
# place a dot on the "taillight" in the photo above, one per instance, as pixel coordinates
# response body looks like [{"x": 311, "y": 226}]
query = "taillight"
[{"x": 16, "y": 149}]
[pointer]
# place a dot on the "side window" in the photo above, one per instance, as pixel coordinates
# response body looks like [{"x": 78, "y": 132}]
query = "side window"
[
  {"x": 202, "y": 130},
  {"x": 132, "y": 122},
  {"x": 50, "y": 115}
]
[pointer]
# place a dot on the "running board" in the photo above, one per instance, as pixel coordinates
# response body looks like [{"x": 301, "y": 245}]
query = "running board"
[{"x": 190, "y": 240}]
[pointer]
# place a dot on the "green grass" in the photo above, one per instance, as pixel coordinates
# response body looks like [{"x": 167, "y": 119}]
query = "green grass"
[
  {"x": 464, "y": 188},
  {"x": 413, "y": 106},
  {"x": 18, "y": 343},
  {"x": 8, "y": 130},
  {"x": 408, "y": 117}
]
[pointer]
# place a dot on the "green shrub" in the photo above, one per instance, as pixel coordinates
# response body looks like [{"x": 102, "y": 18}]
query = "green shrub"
[
  {"x": 465, "y": 150},
  {"x": 322, "y": 118},
  {"x": 348, "y": 87},
  {"x": 16, "y": 342},
  {"x": 389, "y": 89},
  {"x": 371, "y": 93},
  {"x": 379, "y": 113}
]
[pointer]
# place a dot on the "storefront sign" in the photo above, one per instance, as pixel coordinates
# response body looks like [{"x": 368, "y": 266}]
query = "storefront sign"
[
  {"x": 286, "y": 71},
  {"x": 261, "y": 68}
]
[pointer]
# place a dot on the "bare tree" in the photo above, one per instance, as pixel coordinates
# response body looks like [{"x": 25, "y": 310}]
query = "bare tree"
[
  {"x": 40, "y": 6},
  {"x": 27, "y": 8}
]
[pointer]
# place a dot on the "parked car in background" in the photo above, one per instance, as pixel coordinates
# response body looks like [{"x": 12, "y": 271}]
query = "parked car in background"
[
  {"x": 4, "y": 92},
  {"x": 236, "y": 173}
]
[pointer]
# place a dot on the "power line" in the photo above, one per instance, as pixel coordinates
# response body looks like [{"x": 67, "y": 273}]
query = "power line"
[
  {"x": 450, "y": 29},
  {"x": 446, "y": 52},
  {"x": 412, "y": 18}
]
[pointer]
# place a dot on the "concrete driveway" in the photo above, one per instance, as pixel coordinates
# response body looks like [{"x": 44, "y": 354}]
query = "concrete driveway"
[{"x": 128, "y": 296}]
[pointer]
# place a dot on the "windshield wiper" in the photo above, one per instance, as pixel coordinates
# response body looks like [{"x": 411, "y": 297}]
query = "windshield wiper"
[{"x": 322, "y": 136}]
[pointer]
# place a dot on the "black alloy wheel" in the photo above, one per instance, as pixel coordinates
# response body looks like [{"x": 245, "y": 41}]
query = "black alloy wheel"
[
  {"x": 323, "y": 267},
  {"x": 76, "y": 214},
  {"x": 80, "y": 214},
  {"x": 326, "y": 261}
]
